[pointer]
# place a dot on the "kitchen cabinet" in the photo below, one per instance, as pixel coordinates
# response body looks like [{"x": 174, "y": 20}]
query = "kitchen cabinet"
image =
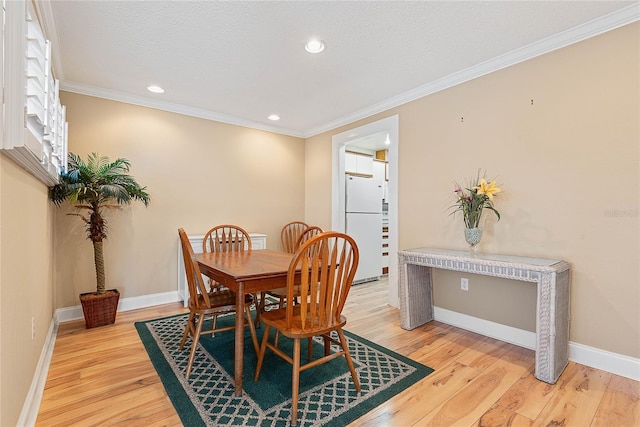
[{"x": 358, "y": 163}]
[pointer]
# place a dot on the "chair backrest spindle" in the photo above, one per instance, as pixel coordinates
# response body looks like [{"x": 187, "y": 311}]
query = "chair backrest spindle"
[{"x": 307, "y": 233}]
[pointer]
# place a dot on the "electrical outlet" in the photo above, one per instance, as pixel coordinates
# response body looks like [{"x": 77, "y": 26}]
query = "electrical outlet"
[
  {"x": 464, "y": 284},
  {"x": 33, "y": 327}
]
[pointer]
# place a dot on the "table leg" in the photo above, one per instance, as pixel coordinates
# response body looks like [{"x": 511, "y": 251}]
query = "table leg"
[
  {"x": 416, "y": 300},
  {"x": 239, "y": 341}
]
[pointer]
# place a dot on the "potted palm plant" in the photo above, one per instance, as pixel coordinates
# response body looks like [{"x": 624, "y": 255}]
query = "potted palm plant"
[{"x": 92, "y": 187}]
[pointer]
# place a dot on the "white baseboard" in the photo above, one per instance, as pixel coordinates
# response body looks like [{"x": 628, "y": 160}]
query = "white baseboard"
[
  {"x": 31, "y": 405},
  {"x": 520, "y": 337},
  {"x": 614, "y": 363},
  {"x": 125, "y": 304}
]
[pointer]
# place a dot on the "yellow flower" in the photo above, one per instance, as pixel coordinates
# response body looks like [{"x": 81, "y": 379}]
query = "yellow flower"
[{"x": 489, "y": 189}]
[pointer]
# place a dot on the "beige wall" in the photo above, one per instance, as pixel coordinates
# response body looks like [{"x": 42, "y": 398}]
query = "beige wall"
[
  {"x": 199, "y": 174},
  {"x": 26, "y": 282},
  {"x": 569, "y": 166}
]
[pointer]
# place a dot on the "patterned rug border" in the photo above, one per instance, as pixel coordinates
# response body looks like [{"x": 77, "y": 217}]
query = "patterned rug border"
[{"x": 178, "y": 389}]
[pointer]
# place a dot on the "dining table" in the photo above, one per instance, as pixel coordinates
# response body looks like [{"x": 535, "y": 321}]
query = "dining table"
[{"x": 245, "y": 272}]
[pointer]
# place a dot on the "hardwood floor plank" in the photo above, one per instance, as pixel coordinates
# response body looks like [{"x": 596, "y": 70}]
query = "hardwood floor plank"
[
  {"x": 578, "y": 394},
  {"x": 441, "y": 351},
  {"x": 423, "y": 339},
  {"x": 478, "y": 396},
  {"x": 620, "y": 404},
  {"x": 528, "y": 396},
  {"x": 90, "y": 411},
  {"x": 483, "y": 352},
  {"x": 412, "y": 405},
  {"x": 154, "y": 414},
  {"x": 503, "y": 417}
]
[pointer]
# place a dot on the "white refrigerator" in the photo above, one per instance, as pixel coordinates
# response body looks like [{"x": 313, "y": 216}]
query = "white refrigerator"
[{"x": 363, "y": 222}]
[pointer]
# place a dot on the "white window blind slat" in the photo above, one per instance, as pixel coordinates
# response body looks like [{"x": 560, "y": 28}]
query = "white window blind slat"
[{"x": 35, "y": 88}]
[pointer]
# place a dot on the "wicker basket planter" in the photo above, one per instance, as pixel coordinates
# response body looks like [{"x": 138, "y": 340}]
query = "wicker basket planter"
[{"x": 100, "y": 310}]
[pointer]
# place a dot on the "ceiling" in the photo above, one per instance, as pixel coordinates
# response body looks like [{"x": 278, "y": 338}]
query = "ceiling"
[{"x": 240, "y": 61}]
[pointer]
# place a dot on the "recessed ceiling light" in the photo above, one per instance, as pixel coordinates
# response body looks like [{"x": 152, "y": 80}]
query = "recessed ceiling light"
[
  {"x": 274, "y": 117},
  {"x": 387, "y": 141},
  {"x": 155, "y": 89},
  {"x": 315, "y": 46}
]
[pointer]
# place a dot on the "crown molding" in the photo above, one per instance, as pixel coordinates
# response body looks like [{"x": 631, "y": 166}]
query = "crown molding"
[
  {"x": 171, "y": 107},
  {"x": 571, "y": 36}
]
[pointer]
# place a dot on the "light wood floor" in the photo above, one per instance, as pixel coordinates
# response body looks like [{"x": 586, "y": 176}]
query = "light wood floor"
[{"x": 104, "y": 377}]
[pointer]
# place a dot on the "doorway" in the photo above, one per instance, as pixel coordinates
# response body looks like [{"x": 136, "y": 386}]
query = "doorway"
[{"x": 387, "y": 126}]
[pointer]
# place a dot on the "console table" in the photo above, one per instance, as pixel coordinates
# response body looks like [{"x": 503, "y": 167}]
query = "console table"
[{"x": 552, "y": 278}]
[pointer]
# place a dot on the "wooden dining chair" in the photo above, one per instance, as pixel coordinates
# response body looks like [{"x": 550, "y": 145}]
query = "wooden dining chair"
[
  {"x": 281, "y": 293},
  {"x": 289, "y": 235},
  {"x": 204, "y": 305},
  {"x": 225, "y": 238},
  {"x": 325, "y": 266}
]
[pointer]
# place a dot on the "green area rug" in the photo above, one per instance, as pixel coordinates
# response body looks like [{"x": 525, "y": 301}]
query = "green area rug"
[{"x": 327, "y": 394}]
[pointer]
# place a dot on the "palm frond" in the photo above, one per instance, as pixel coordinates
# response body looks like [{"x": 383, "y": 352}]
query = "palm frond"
[
  {"x": 97, "y": 183},
  {"x": 96, "y": 162},
  {"x": 115, "y": 191},
  {"x": 115, "y": 169}
]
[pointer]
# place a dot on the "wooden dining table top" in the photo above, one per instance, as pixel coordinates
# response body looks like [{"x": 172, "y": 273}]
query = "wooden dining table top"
[{"x": 256, "y": 269}]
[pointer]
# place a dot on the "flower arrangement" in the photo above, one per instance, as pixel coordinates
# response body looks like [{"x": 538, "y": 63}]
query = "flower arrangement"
[{"x": 472, "y": 199}]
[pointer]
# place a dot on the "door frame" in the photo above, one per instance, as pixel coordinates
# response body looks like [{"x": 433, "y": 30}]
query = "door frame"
[{"x": 340, "y": 141}]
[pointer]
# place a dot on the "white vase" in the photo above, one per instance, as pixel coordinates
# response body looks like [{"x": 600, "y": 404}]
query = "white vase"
[{"x": 473, "y": 237}]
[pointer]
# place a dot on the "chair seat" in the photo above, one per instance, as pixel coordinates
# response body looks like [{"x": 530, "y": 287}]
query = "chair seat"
[
  {"x": 282, "y": 292},
  {"x": 219, "y": 300},
  {"x": 278, "y": 320}
]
